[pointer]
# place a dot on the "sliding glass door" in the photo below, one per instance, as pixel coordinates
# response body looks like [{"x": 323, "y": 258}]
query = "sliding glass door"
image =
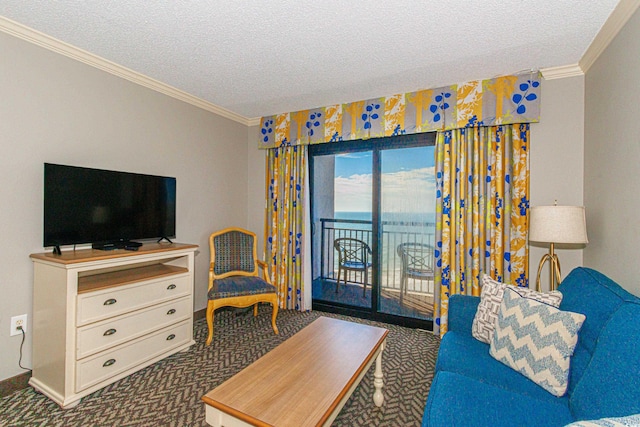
[
  {"x": 342, "y": 225},
  {"x": 373, "y": 227},
  {"x": 407, "y": 231}
]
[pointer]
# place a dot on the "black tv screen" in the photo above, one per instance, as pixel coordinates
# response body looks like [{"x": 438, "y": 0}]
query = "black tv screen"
[{"x": 102, "y": 207}]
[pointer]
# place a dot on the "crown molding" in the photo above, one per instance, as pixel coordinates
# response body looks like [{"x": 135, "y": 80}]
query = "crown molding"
[
  {"x": 612, "y": 26},
  {"x": 253, "y": 121},
  {"x": 561, "y": 72},
  {"x": 40, "y": 39}
]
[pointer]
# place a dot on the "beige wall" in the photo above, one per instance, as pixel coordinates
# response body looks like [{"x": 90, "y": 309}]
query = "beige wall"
[
  {"x": 256, "y": 189},
  {"x": 612, "y": 159},
  {"x": 556, "y": 158},
  {"x": 54, "y": 109}
]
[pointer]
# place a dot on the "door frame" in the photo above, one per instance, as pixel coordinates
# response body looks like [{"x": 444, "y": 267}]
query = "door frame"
[{"x": 375, "y": 146}]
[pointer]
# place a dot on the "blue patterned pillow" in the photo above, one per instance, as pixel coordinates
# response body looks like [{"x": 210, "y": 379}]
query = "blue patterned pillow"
[
  {"x": 630, "y": 421},
  {"x": 536, "y": 340},
  {"x": 490, "y": 299}
]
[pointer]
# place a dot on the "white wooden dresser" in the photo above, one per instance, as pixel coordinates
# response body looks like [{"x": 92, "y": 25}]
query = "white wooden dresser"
[{"x": 100, "y": 316}]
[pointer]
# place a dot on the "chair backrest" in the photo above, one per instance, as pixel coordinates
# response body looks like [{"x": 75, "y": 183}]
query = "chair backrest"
[
  {"x": 233, "y": 253},
  {"x": 352, "y": 250},
  {"x": 416, "y": 256}
]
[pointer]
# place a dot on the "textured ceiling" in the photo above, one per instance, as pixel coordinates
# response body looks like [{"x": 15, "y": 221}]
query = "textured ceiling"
[{"x": 258, "y": 58}]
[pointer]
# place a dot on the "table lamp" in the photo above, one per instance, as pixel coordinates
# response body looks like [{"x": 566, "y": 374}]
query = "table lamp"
[{"x": 556, "y": 224}]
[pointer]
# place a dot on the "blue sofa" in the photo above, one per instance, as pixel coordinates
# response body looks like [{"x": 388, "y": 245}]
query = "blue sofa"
[{"x": 470, "y": 388}]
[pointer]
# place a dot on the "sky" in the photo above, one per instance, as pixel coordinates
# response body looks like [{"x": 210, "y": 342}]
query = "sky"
[{"x": 408, "y": 181}]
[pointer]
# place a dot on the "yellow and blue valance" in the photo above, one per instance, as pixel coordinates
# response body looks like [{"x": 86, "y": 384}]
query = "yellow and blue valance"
[{"x": 497, "y": 101}]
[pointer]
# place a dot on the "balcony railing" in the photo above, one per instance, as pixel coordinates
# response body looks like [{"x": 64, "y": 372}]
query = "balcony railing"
[{"x": 393, "y": 234}]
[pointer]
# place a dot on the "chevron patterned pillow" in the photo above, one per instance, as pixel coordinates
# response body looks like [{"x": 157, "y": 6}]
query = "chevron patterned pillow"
[
  {"x": 630, "y": 421},
  {"x": 490, "y": 299},
  {"x": 536, "y": 340}
]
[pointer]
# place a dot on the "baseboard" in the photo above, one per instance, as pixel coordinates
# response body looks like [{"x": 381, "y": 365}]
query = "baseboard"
[
  {"x": 200, "y": 314},
  {"x": 13, "y": 384}
]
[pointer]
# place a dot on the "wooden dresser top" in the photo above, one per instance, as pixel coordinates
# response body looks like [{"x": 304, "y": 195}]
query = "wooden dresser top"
[{"x": 86, "y": 255}]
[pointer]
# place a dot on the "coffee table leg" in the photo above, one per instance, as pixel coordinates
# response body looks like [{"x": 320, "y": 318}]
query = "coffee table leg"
[{"x": 378, "y": 397}]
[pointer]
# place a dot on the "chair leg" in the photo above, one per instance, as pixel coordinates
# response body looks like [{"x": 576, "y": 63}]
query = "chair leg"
[
  {"x": 210, "y": 308},
  {"x": 255, "y": 310},
  {"x": 274, "y": 314},
  {"x": 403, "y": 281},
  {"x": 366, "y": 279},
  {"x": 338, "y": 282}
]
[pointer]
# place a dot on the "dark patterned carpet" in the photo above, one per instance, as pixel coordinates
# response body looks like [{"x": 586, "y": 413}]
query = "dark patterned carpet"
[{"x": 168, "y": 393}]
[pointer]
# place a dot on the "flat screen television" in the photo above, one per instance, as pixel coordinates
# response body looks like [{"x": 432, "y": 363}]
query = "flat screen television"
[{"x": 108, "y": 209}]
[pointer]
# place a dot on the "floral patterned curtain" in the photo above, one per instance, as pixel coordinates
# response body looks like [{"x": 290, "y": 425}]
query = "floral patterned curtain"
[
  {"x": 482, "y": 177},
  {"x": 502, "y": 100},
  {"x": 482, "y": 210},
  {"x": 284, "y": 226}
]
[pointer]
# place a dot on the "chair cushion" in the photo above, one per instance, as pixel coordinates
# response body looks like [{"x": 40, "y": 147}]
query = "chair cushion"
[
  {"x": 237, "y": 286},
  {"x": 234, "y": 252},
  {"x": 420, "y": 274},
  {"x": 356, "y": 265}
]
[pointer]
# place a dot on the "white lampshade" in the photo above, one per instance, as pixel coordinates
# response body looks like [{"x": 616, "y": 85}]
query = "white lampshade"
[{"x": 558, "y": 224}]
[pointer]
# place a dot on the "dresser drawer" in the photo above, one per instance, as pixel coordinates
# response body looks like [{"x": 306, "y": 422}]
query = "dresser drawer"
[
  {"x": 108, "y": 333},
  {"x": 105, "y": 365},
  {"x": 103, "y": 304}
]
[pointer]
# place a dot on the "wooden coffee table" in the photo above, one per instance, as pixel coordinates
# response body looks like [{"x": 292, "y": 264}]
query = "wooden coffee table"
[{"x": 305, "y": 381}]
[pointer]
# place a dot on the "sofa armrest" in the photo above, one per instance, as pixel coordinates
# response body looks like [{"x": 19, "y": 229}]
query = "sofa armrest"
[{"x": 462, "y": 310}]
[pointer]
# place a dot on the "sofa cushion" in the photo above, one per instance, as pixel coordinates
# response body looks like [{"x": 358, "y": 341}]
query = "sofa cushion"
[
  {"x": 536, "y": 340},
  {"x": 490, "y": 299},
  {"x": 462, "y": 354},
  {"x": 596, "y": 296},
  {"x": 456, "y": 400},
  {"x": 462, "y": 309},
  {"x": 610, "y": 386}
]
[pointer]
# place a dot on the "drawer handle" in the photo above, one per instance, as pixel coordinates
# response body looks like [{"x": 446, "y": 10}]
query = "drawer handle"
[
  {"x": 110, "y": 301},
  {"x": 109, "y": 362},
  {"x": 171, "y": 287},
  {"x": 109, "y": 332},
  {"x": 170, "y": 337},
  {"x": 172, "y": 311}
]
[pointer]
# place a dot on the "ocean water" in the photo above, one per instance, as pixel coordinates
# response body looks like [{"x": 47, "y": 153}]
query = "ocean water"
[{"x": 390, "y": 216}]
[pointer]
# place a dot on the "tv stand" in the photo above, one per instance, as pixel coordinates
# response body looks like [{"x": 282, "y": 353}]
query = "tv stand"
[
  {"x": 99, "y": 316},
  {"x": 164, "y": 238}
]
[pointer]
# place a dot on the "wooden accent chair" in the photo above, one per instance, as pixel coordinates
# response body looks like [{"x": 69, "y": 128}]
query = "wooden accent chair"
[
  {"x": 417, "y": 263},
  {"x": 233, "y": 275},
  {"x": 353, "y": 255}
]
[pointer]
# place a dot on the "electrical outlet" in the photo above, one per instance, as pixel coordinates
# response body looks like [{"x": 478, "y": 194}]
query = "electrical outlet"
[{"x": 18, "y": 322}]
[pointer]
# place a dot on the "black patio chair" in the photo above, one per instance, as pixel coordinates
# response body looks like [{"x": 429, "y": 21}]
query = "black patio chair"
[
  {"x": 353, "y": 255},
  {"x": 417, "y": 263}
]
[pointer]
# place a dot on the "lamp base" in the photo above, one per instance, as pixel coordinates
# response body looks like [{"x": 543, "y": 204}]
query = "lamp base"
[{"x": 554, "y": 270}]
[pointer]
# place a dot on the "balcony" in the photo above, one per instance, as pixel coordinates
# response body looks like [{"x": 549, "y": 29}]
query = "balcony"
[{"x": 416, "y": 302}]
